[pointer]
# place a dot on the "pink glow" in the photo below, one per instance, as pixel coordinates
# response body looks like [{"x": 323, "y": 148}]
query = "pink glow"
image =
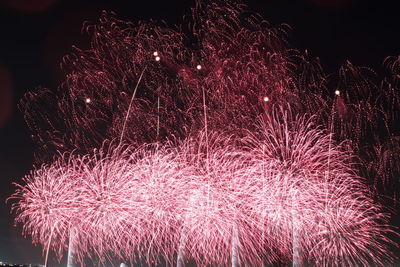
[{"x": 136, "y": 205}]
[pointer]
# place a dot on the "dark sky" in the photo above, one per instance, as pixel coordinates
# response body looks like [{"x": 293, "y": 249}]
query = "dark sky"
[{"x": 35, "y": 34}]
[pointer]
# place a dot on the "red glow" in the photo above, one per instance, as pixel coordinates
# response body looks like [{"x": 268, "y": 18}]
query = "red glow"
[
  {"x": 6, "y": 95},
  {"x": 29, "y": 6}
]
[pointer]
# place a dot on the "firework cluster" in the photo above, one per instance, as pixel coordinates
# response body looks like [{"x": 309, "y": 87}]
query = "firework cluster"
[
  {"x": 154, "y": 200},
  {"x": 213, "y": 142}
]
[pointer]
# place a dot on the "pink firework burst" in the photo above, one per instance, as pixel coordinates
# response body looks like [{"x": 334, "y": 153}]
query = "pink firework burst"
[
  {"x": 236, "y": 149},
  {"x": 46, "y": 204},
  {"x": 315, "y": 182},
  {"x": 205, "y": 201}
]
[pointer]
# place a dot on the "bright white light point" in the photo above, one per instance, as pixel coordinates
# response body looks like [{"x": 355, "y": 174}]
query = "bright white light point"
[
  {"x": 266, "y": 99},
  {"x": 198, "y": 67},
  {"x": 337, "y": 92},
  {"x": 157, "y": 58},
  {"x": 87, "y": 100},
  {"x": 155, "y": 54}
]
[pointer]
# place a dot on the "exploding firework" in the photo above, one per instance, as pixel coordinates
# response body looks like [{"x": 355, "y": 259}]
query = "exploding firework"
[
  {"x": 210, "y": 195},
  {"x": 233, "y": 149},
  {"x": 45, "y": 205},
  {"x": 314, "y": 176}
]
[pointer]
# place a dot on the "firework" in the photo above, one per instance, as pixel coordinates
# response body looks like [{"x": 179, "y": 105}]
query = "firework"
[
  {"x": 45, "y": 205},
  {"x": 208, "y": 200},
  {"x": 236, "y": 149}
]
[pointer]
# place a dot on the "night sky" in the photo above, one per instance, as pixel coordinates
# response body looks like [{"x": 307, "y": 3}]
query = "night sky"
[{"x": 36, "y": 34}]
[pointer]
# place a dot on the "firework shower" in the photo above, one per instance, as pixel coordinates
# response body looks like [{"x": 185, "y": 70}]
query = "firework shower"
[{"x": 217, "y": 143}]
